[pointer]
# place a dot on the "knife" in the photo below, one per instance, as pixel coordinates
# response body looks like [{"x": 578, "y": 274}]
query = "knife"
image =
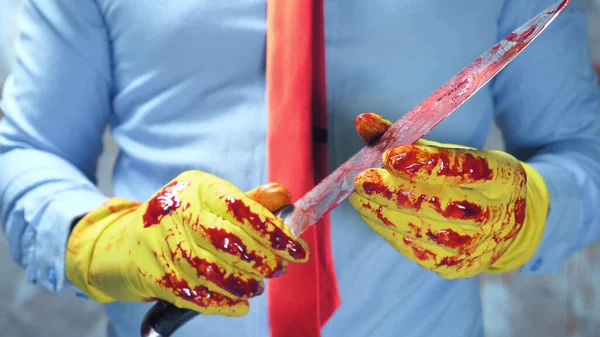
[{"x": 164, "y": 318}]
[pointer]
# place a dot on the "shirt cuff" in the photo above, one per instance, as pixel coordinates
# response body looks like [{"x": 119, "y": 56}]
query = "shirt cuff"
[
  {"x": 48, "y": 266},
  {"x": 553, "y": 249}
]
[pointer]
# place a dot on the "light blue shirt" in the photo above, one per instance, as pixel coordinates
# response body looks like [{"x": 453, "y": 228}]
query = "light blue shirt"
[{"x": 182, "y": 86}]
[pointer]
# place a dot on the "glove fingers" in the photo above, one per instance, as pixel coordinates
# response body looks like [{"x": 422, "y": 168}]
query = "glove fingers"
[
  {"x": 442, "y": 165},
  {"x": 464, "y": 267},
  {"x": 206, "y": 269},
  {"x": 185, "y": 291},
  {"x": 450, "y": 237},
  {"x": 433, "y": 257},
  {"x": 231, "y": 244},
  {"x": 191, "y": 295},
  {"x": 227, "y": 201},
  {"x": 419, "y": 252},
  {"x": 450, "y": 204},
  {"x": 473, "y": 261}
]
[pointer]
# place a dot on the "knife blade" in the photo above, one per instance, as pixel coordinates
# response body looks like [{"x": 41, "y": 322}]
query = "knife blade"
[
  {"x": 164, "y": 318},
  {"x": 338, "y": 185}
]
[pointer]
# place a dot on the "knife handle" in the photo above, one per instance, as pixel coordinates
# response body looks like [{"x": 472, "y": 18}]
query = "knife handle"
[{"x": 163, "y": 319}]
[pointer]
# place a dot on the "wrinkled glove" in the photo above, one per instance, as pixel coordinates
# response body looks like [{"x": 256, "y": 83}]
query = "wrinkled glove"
[
  {"x": 454, "y": 210},
  {"x": 199, "y": 243}
]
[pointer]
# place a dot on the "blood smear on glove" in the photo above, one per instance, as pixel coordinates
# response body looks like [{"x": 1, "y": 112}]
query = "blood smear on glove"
[
  {"x": 420, "y": 253},
  {"x": 449, "y": 238},
  {"x": 519, "y": 219},
  {"x": 198, "y": 295},
  {"x": 232, "y": 244},
  {"x": 454, "y": 209},
  {"x": 413, "y": 161},
  {"x": 460, "y": 210},
  {"x": 379, "y": 213},
  {"x": 450, "y": 261},
  {"x": 216, "y": 275},
  {"x": 279, "y": 240},
  {"x": 163, "y": 203}
]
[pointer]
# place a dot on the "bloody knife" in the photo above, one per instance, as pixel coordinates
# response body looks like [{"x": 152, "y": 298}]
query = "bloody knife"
[{"x": 164, "y": 318}]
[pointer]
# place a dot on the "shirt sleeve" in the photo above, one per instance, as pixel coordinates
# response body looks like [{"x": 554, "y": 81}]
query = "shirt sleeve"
[
  {"x": 548, "y": 108},
  {"x": 56, "y": 104}
]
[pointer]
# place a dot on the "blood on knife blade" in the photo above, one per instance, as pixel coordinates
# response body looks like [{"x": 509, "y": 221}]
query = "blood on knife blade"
[{"x": 336, "y": 187}]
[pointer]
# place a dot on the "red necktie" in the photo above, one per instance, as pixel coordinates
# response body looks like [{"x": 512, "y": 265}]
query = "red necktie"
[{"x": 303, "y": 299}]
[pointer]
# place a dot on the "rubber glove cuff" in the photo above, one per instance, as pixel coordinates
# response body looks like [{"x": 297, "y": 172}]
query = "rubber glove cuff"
[
  {"x": 82, "y": 241},
  {"x": 528, "y": 239}
]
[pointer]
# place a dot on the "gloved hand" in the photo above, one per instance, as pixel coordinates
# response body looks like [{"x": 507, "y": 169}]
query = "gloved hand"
[
  {"x": 199, "y": 243},
  {"x": 454, "y": 210}
]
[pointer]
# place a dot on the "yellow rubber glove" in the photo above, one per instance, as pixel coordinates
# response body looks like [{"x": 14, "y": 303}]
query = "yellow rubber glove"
[
  {"x": 454, "y": 210},
  {"x": 199, "y": 243}
]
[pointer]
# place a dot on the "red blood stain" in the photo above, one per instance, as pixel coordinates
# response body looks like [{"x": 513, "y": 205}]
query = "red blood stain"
[
  {"x": 162, "y": 204},
  {"x": 111, "y": 208},
  {"x": 416, "y": 229},
  {"x": 379, "y": 213},
  {"x": 232, "y": 244},
  {"x": 450, "y": 261},
  {"x": 520, "y": 206},
  {"x": 513, "y": 232},
  {"x": 495, "y": 256},
  {"x": 279, "y": 240},
  {"x": 449, "y": 238},
  {"x": 469, "y": 264},
  {"x": 378, "y": 187},
  {"x": 212, "y": 272},
  {"x": 412, "y": 160},
  {"x": 519, "y": 215},
  {"x": 562, "y": 4},
  {"x": 419, "y": 252},
  {"x": 385, "y": 220},
  {"x": 454, "y": 209},
  {"x": 419, "y": 202},
  {"x": 495, "y": 48},
  {"x": 514, "y": 37},
  {"x": 371, "y": 188},
  {"x": 423, "y": 254},
  {"x": 370, "y": 127},
  {"x": 199, "y": 295},
  {"x": 471, "y": 168},
  {"x": 461, "y": 210}
]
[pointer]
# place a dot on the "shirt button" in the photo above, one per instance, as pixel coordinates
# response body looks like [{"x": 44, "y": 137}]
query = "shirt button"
[
  {"x": 52, "y": 276},
  {"x": 81, "y": 295},
  {"x": 536, "y": 265}
]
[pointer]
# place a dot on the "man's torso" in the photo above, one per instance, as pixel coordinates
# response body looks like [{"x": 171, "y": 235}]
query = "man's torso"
[{"x": 189, "y": 93}]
